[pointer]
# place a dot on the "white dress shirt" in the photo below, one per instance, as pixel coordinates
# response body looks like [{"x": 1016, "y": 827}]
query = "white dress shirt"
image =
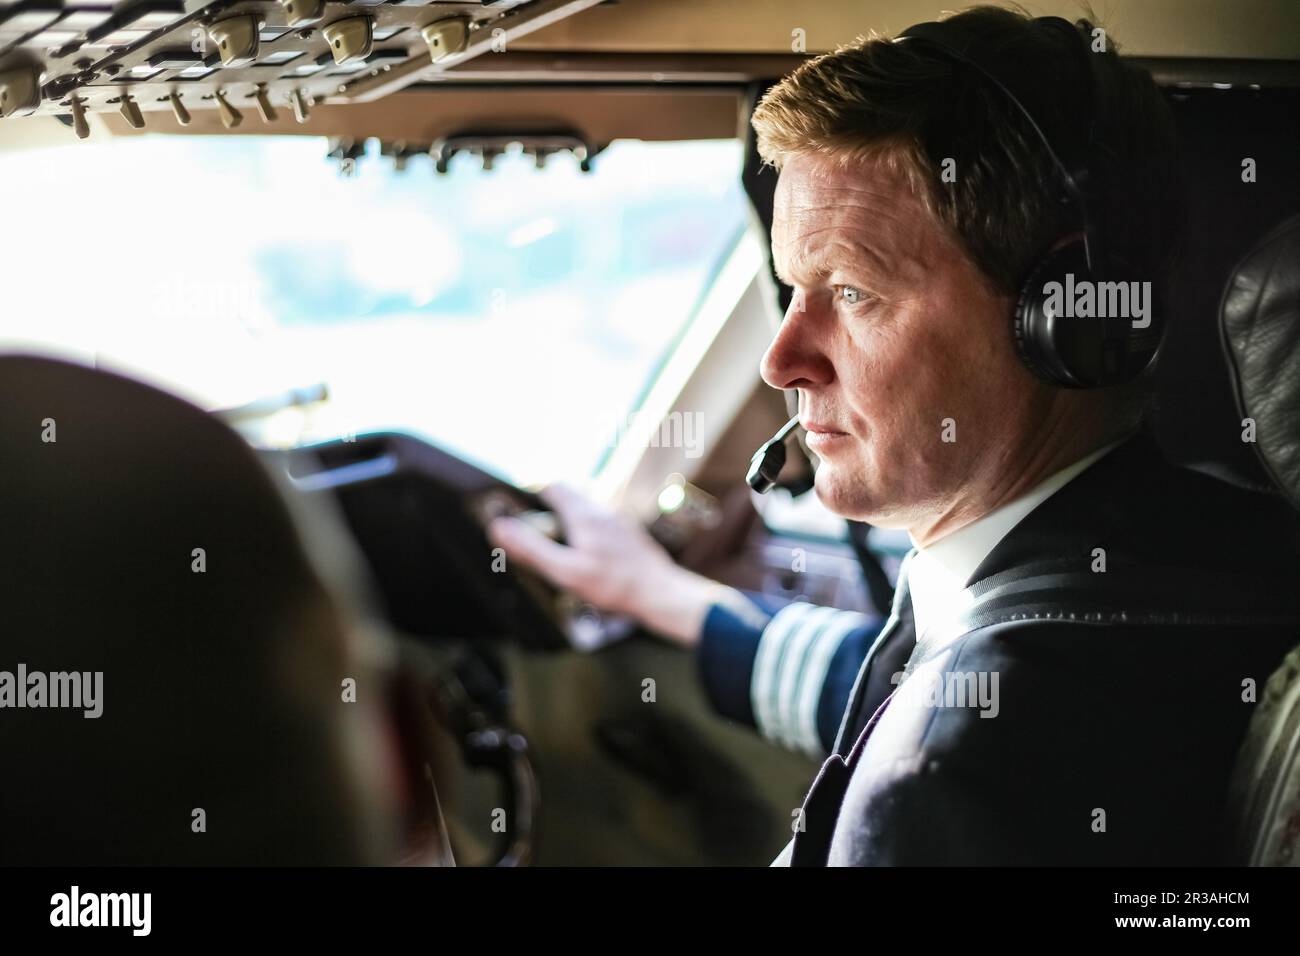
[{"x": 937, "y": 574}]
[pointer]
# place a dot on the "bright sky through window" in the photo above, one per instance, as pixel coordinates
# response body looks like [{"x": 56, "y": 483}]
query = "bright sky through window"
[{"x": 495, "y": 313}]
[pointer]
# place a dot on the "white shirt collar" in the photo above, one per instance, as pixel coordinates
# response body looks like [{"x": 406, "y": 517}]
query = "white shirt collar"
[{"x": 937, "y": 574}]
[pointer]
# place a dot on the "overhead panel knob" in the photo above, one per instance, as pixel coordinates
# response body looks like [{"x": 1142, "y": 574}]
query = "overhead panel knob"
[
  {"x": 230, "y": 117},
  {"x": 301, "y": 12},
  {"x": 301, "y": 111},
  {"x": 350, "y": 39},
  {"x": 445, "y": 37},
  {"x": 20, "y": 90},
  {"x": 264, "y": 107},
  {"x": 178, "y": 109},
  {"x": 79, "y": 124},
  {"x": 236, "y": 40},
  {"x": 131, "y": 112}
]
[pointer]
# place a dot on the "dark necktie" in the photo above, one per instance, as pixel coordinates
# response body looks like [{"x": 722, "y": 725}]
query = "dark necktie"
[{"x": 899, "y": 613}]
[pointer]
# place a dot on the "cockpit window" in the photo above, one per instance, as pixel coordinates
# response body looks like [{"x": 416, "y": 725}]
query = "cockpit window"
[{"x": 498, "y": 313}]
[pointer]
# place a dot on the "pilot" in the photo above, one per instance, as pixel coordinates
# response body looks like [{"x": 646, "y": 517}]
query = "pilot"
[{"x": 1064, "y": 676}]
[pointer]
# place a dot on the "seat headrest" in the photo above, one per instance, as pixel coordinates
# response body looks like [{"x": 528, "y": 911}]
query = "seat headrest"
[
  {"x": 145, "y": 542},
  {"x": 1259, "y": 319}
]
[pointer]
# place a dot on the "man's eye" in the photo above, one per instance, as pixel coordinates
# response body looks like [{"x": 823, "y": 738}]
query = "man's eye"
[{"x": 851, "y": 295}]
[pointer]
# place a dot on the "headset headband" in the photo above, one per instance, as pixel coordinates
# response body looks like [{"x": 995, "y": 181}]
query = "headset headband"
[{"x": 1071, "y": 151}]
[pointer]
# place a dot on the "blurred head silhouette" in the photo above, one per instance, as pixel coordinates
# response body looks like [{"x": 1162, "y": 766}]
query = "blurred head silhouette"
[{"x": 144, "y": 541}]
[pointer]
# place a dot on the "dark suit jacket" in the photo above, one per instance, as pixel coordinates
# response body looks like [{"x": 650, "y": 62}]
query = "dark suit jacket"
[{"x": 1113, "y": 739}]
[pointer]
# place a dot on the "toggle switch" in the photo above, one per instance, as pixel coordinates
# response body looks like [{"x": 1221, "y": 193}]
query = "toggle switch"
[
  {"x": 20, "y": 90},
  {"x": 178, "y": 109},
  {"x": 79, "y": 124},
  {"x": 131, "y": 112},
  {"x": 301, "y": 12},
  {"x": 445, "y": 37},
  {"x": 264, "y": 107},
  {"x": 301, "y": 111},
  {"x": 236, "y": 40},
  {"x": 350, "y": 39},
  {"x": 230, "y": 117}
]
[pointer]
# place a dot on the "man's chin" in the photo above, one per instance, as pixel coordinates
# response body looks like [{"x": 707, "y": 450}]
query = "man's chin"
[{"x": 839, "y": 494}]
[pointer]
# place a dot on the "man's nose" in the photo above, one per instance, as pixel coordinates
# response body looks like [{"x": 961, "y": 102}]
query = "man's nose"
[{"x": 796, "y": 358}]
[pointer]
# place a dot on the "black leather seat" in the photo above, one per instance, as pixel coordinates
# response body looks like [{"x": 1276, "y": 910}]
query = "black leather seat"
[
  {"x": 1260, "y": 323},
  {"x": 221, "y": 688}
]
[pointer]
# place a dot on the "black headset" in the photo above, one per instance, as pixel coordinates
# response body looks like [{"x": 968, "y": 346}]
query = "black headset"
[{"x": 1063, "y": 350}]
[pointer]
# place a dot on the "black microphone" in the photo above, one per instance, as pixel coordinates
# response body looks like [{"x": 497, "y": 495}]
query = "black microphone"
[{"x": 768, "y": 461}]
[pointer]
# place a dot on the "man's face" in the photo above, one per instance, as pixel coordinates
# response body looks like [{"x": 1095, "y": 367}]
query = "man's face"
[{"x": 895, "y": 343}]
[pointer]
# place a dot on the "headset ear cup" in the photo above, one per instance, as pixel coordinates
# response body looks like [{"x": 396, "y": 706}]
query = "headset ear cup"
[
  {"x": 1024, "y": 327},
  {"x": 1097, "y": 347},
  {"x": 1037, "y": 326}
]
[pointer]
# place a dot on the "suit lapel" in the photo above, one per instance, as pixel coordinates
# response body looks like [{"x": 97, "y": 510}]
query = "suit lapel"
[
  {"x": 874, "y": 683},
  {"x": 871, "y": 692}
]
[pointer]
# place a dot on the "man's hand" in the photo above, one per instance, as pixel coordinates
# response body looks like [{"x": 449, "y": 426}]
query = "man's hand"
[{"x": 613, "y": 563}]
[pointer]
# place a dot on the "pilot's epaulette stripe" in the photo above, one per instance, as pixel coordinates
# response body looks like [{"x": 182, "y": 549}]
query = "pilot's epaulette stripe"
[{"x": 790, "y": 669}]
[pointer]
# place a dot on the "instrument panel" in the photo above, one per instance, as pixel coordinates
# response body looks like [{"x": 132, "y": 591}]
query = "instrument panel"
[{"x": 74, "y": 57}]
